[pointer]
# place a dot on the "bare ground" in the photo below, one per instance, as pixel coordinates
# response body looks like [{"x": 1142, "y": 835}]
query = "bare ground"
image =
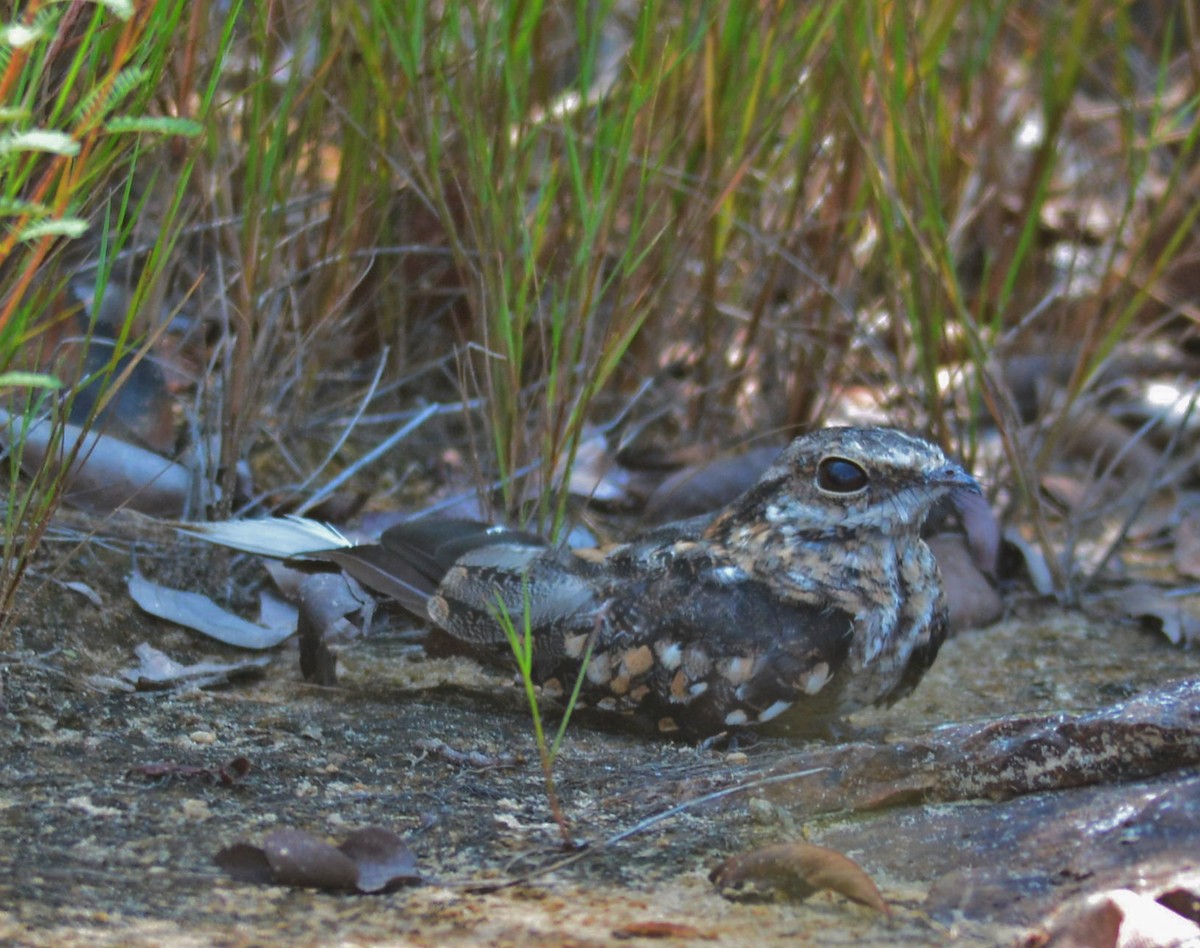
[{"x": 96, "y": 854}]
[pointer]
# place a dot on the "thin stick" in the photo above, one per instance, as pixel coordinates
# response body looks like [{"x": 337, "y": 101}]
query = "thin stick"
[{"x": 641, "y": 826}]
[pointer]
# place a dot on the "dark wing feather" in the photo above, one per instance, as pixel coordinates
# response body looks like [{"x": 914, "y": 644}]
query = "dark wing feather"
[
  {"x": 695, "y": 617},
  {"x": 432, "y": 546},
  {"x": 412, "y": 558},
  {"x": 386, "y": 572}
]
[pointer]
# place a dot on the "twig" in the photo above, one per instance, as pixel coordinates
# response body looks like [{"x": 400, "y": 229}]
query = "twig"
[{"x": 641, "y": 826}]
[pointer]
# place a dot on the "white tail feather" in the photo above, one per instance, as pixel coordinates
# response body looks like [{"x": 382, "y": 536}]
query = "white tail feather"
[{"x": 280, "y": 537}]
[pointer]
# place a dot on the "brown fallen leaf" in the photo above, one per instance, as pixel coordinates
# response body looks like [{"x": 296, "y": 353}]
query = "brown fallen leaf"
[
  {"x": 972, "y": 600},
  {"x": 334, "y": 609},
  {"x": 595, "y": 475},
  {"x": 156, "y": 671},
  {"x": 107, "y": 473},
  {"x": 1187, "y": 545},
  {"x": 1157, "y": 609},
  {"x": 1021, "y": 558},
  {"x": 198, "y": 612},
  {"x": 227, "y": 774},
  {"x": 300, "y": 859},
  {"x": 654, "y": 929},
  {"x": 370, "y": 860},
  {"x": 982, "y": 527},
  {"x": 798, "y": 870},
  {"x": 382, "y": 858},
  {"x": 699, "y": 488}
]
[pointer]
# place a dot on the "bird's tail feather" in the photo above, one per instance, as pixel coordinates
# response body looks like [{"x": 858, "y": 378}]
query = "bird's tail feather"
[{"x": 407, "y": 564}]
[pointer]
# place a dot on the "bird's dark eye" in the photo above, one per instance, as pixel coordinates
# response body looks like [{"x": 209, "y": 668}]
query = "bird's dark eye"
[{"x": 839, "y": 476}]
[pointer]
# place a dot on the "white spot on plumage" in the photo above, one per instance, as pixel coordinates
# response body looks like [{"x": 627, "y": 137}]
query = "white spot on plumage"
[
  {"x": 599, "y": 669},
  {"x": 670, "y": 654},
  {"x": 735, "y": 718},
  {"x": 574, "y": 645},
  {"x": 736, "y": 670},
  {"x": 816, "y": 679},
  {"x": 774, "y": 711}
]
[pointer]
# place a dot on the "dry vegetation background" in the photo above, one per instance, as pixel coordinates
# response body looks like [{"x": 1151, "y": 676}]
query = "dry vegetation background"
[
  {"x": 483, "y": 235},
  {"x": 536, "y": 260}
]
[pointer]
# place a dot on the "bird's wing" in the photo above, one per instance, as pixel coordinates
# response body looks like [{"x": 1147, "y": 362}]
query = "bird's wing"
[{"x": 699, "y": 642}]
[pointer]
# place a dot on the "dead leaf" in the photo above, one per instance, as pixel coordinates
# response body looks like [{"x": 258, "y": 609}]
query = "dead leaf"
[
  {"x": 300, "y": 859},
  {"x": 107, "y": 473},
  {"x": 86, "y": 591},
  {"x": 226, "y": 774},
  {"x": 699, "y": 488},
  {"x": 199, "y": 613},
  {"x": 246, "y": 863},
  {"x": 1153, "y": 606},
  {"x": 158, "y": 672},
  {"x": 1183, "y": 898},
  {"x": 654, "y": 929},
  {"x": 972, "y": 600},
  {"x": 1102, "y": 441},
  {"x": 327, "y": 603},
  {"x": 983, "y": 530},
  {"x": 595, "y": 474},
  {"x": 799, "y": 870},
  {"x": 1021, "y": 556},
  {"x": 1187, "y": 545},
  {"x": 382, "y": 858},
  {"x": 370, "y": 860}
]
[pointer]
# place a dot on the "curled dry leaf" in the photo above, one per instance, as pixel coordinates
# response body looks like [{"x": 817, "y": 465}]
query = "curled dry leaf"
[
  {"x": 246, "y": 863},
  {"x": 199, "y": 613},
  {"x": 107, "y": 473},
  {"x": 595, "y": 474},
  {"x": 382, "y": 858},
  {"x": 86, "y": 591},
  {"x": 983, "y": 530},
  {"x": 1154, "y": 607},
  {"x": 334, "y": 609},
  {"x": 972, "y": 600},
  {"x": 227, "y": 774},
  {"x": 699, "y": 488},
  {"x": 300, "y": 859},
  {"x": 798, "y": 870},
  {"x": 370, "y": 860},
  {"x": 1024, "y": 559},
  {"x": 157, "y": 671}
]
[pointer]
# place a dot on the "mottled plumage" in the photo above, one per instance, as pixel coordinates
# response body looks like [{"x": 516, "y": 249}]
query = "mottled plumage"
[{"x": 811, "y": 595}]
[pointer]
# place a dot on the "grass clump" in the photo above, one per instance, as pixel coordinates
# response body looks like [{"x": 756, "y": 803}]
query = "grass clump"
[
  {"x": 710, "y": 222},
  {"x": 92, "y": 208}
]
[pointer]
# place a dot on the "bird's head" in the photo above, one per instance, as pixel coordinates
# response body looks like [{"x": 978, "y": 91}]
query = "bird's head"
[{"x": 838, "y": 480}]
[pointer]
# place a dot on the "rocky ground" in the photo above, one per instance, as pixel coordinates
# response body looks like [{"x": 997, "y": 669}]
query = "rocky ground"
[{"x": 1045, "y": 759}]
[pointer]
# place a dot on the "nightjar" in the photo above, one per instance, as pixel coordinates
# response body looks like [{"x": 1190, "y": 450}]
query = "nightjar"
[{"x": 808, "y": 597}]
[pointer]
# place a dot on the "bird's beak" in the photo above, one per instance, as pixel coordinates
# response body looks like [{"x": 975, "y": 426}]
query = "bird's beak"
[{"x": 953, "y": 477}]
